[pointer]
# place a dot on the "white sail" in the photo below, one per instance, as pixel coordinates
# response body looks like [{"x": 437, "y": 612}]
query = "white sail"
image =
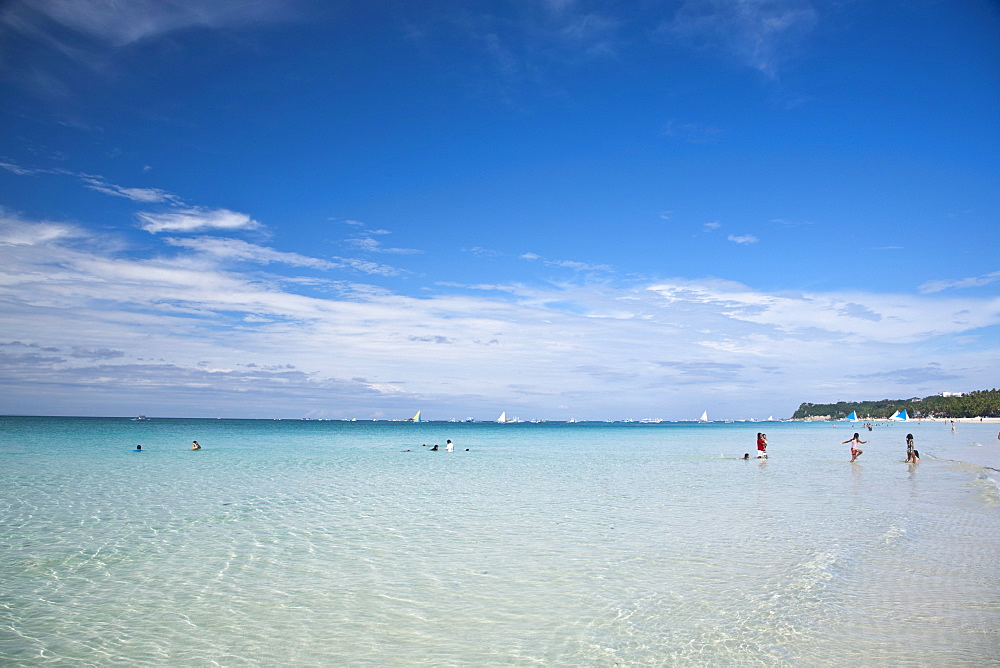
[
  {"x": 503, "y": 417},
  {"x": 704, "y": 417}
]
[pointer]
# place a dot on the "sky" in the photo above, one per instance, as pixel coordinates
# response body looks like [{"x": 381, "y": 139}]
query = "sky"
[{"x": 554, "y": 208}]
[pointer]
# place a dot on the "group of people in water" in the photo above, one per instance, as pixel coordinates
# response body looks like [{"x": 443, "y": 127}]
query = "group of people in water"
[
  {"x": 761, "y": 447},
  {"x": 194, "y": 446},
  {"x": 448, "y": 447},
  {"x": 912, "y": 456}
]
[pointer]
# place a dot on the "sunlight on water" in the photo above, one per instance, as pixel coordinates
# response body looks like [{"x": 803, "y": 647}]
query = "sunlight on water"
[{"x": 552, "y": 544}]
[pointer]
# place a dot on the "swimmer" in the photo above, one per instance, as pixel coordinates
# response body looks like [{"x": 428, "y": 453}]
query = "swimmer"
[
  {"x": 746, "y": 455},
  {"x": 434, "y": 449},
  {"x": 195, "y": 445},
  {"x": 138, "y": 448},
  {"x": 855, "y": 441}
]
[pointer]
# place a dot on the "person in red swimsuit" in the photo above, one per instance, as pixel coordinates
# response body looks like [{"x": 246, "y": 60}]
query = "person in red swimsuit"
[
  {"x": 761, "y": 445},
  {"x": 855, "y": 441}
]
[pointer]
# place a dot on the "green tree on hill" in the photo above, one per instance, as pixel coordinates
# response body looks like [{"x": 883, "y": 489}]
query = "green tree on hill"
[{"x": 981, "y": 403}]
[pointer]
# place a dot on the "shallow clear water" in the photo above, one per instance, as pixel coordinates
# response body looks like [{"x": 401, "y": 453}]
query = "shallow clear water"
[{"x": 306, "y": 542}]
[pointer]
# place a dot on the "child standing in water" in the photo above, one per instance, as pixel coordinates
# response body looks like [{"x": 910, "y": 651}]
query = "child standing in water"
[
  {"x": 912, "y": 457},
  {"x": 855, "y": 441},
  {"x": 761, "y": 446}
]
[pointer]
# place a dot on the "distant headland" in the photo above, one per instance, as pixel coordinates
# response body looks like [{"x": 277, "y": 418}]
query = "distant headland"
[{"x": 978, "y": 404}]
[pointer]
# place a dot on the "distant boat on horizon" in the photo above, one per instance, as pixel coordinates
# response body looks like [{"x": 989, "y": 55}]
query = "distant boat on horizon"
[
  {"x": 415, "y": 418},
  {"x": 704, "y": 417}
]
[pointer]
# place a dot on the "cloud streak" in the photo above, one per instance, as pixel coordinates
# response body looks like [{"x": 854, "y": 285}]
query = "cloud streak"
[
  {"x": 972, "y": 282},
  {"x": 195, "y": 219},
  {"x": 760, "y": 35},
  {"x": 119, "y": 24}
]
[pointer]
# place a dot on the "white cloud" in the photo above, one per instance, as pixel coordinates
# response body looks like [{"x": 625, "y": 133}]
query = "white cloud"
[
  {"x": 973, "y": 282},
  {"x": 15, "y": 231},
  {"x": 196, "y": 219},
  {"x": 237, "y": 249},
  {"x": 151, "y": 328},
  {"x": 144, "y": 195},
  {"x": 742, "y": 238},
  {"x": 567, "y": 264},
  {"x": 370, "y": 245},
  {"x": 17, "y": 169}
]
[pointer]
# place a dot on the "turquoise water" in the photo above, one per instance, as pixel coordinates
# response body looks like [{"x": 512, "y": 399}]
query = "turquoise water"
[{"x": 306, "y": 542}]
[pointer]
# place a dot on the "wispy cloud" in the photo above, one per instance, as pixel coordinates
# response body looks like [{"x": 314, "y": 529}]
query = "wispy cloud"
[
  {"x": 760, "y": 34},
  {"x": 98, "y": 183},
  {"x": 916, "y": 376},
  {"x": 119, "y": 24},
  {"x": 144, "y": 195},
  {"x": 972, "y": 282},
  {"x": 237, "y": 249},
  {"x": 369, "y": 244},
  {"x": 742, "y": 239},
  {"x": 17, "y": 169},
  {"x": 567, "y": 264},
  {"x": 15, "y": 231},
  {"x": 196, "y": 219},
  {"x": 692, "y": 133}
]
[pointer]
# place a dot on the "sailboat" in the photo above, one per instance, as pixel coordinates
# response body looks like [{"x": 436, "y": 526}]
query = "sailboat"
[
  {"x": 704, "y": 417},
  {"x": 503, "y": 417},
  {"x": 900, "y": 416},
  {"x": 770, "y": 418},
  {"x": 415, "y": 418},
  {"x": 852, "y": 416}
]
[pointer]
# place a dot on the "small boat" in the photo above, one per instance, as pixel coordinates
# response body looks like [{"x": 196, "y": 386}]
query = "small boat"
[
  {"x": 140, "y": 418},
  {"x": 704, "y": 417},
  {"x": 852, "y": 416},
  {"x": 415, "y": 418}
]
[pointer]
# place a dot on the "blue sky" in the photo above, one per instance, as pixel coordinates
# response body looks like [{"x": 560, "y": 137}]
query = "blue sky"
[{"x": 558, "y": 209}]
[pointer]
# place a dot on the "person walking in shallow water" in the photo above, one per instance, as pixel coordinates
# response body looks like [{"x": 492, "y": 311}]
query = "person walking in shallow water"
[
  {"x": 912, "y": 456},
  {"x": 855, "y": 441},
  {"x": 761, "y": 446}
]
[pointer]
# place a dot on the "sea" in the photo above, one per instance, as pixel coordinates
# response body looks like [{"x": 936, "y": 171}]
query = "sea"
[{"x": 329, "y": 543}]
